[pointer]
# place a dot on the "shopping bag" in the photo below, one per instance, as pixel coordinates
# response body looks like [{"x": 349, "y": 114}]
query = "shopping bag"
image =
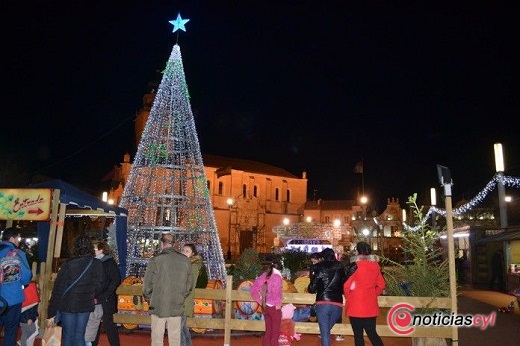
[
  {"x": 52, "y": 336},
  {"x": 31, "y": 296}
]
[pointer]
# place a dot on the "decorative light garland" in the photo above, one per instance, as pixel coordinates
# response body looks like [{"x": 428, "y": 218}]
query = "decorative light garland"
[
  {"x": 166, "y": 190},
  {"x": 475, "y": 201}
]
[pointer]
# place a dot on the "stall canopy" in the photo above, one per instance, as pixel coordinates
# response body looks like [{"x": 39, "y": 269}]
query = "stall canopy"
[
  {"x": 512, "y": 233},
  {"x": 76, "y": 202}
]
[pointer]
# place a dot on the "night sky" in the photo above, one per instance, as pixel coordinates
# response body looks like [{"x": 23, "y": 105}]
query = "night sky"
[{"x": 307, "y": 85}]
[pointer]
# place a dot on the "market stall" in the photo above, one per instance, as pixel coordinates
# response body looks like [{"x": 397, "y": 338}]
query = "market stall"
[{"x": 69, "y": 201}]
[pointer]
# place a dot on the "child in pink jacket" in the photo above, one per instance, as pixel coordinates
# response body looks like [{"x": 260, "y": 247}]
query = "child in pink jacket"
[{"x": 267, "y": 291}]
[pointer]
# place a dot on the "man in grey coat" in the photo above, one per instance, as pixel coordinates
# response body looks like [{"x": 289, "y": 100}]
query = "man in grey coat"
[{"x": 168, "y": 280}]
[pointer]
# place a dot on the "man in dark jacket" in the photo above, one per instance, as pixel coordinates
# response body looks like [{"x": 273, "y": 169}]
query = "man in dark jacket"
[
  {"x": 327, "y": 283},
  {"x": 168, "y": 280}
]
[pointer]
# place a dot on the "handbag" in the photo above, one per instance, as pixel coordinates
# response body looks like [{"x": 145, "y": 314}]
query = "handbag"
[
  {"x": 79, "y": 277},
  {"x": 57, "y": 317},
  {"x": 52, "y": 336}
]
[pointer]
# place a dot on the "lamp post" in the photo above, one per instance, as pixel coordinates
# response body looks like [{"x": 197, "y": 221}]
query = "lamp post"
[
  {"x": 365, "y": 232},
  {"x": 499, "y": 166},
  {"x": 364, "y": 201},
  {"x": 446, "y": 182},
  {"x": 230, "y": 203},
  {"x": 433, "y": 199}
]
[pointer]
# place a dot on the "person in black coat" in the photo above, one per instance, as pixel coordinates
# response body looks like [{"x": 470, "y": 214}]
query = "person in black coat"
[
  {"x": 74, "y": 302},
  {"x": 497, "y": 271},
  {"x": 327, "y": 282},
  {"x": 108, "y": 297}
]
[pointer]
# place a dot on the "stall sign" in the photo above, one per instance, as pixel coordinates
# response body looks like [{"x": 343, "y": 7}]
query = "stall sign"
[{"x": 25, "y": 204}]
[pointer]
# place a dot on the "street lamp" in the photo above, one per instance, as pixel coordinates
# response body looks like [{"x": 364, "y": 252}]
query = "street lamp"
[
  {"x": 364, "y": 201},
  {"x": 444, "y": 175},
  {"x": 230, "y": 203},
  {"x": 365, "y": 232},
  {"x": 433, "y": 199},
  {"x": 499, "y": 166}
]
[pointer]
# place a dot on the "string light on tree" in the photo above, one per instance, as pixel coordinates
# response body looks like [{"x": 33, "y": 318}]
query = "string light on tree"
[
  {"x": 472, "y": 203},
  {"x": 166, "y": 190}
]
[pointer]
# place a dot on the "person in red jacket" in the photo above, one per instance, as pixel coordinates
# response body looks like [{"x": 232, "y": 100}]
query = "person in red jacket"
[{"x": 361, "y": 290}]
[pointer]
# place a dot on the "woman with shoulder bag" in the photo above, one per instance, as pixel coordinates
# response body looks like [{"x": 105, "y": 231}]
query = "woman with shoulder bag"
[{"x": 78, "y": 282}]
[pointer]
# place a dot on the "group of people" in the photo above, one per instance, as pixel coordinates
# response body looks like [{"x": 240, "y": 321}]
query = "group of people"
[
  {"x": 358, "y": 286},
  {"x": 84, "y": 292}
]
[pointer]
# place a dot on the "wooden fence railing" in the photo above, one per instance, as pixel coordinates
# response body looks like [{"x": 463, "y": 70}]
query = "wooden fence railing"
[{"x": 229, "y": 297}]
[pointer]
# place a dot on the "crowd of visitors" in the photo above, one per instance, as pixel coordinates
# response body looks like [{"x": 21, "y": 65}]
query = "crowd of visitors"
[{"x": 83, "y": 296}]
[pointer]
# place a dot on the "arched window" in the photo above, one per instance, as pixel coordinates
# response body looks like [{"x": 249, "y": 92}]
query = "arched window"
[
  {"x": 220, "y": 188},
  {"x": 255, "y": 191},
  {"x": 208, "y": 185},
  {"x": 288, "y": 195},
  {"x": 244, "y": 190},
  {"x": 276, "y": 194}
]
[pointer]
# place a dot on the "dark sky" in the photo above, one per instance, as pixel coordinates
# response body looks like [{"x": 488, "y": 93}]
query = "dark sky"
[{"x": 306, "y": 85}]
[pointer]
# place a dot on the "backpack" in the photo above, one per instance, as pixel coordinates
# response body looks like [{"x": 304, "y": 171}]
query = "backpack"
[{"x": 10, "y": 267}]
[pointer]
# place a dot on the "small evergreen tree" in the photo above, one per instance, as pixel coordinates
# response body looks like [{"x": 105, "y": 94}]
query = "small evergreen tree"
[
  {"x": 248, "y": 267},
  {"x": 425, "y": 273},
  {"x": 294, "y": 260}
]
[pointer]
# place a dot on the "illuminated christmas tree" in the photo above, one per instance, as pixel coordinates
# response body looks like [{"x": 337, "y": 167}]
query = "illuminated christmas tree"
[{"x": 166, "y": 191}]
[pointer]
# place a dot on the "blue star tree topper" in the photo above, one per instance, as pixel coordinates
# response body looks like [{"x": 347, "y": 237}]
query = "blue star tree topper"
[{"x": 179, "y": 23}]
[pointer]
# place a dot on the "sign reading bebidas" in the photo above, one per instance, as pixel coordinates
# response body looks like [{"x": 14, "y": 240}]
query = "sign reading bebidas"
[{"x": 25, "y": 204}]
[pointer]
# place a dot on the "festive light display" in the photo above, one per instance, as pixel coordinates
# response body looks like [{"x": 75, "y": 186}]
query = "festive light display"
[
  {"x": 178, "y": 23},
  {"x": 474, "y": 202},
  {"x": 166, "y": 190}
]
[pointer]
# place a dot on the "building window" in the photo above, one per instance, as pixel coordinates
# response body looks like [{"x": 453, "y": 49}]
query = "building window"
[
  {"x": 208, "y": 185},
  {"x": 288, "y": 195},
  {"x": 276, "y": 194},
  {"x": 327, "y": 219},
  {"x": 220, "y": 188},
  {"x": 244, "y": 190},
  {"x": 255, "y": 191}
]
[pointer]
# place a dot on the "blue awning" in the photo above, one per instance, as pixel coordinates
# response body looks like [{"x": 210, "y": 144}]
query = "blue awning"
[{"x": 70, "y": 195}]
